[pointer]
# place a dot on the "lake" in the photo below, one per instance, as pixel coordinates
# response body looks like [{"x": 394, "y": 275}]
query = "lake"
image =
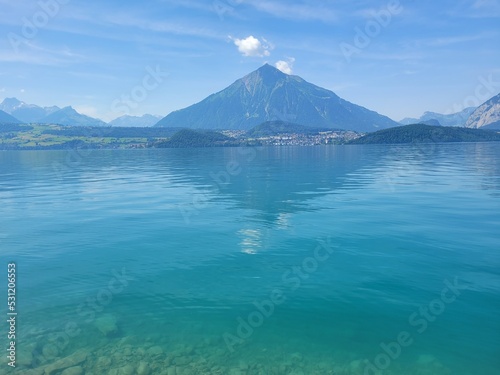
[{"x": 293, "y": 260}]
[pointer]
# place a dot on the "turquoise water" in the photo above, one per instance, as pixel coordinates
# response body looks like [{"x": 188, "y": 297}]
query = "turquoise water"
[{"x": 308, "y": 260}]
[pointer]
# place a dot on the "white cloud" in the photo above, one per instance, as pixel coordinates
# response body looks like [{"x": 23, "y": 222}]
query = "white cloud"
[
  {"x": 253, "y": 47},
  {"x": 285, "y": 66}
]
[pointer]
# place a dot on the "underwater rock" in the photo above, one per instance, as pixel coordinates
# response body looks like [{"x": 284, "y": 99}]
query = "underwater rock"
[
  {"x": 297, "y": 357},
  {"x": 74, "y": 359},
  {"x": 103, "y": 363},
  {"x": 107, "y": 325},
  {"x": 24, "y": 358},
  {"x": 126, "y": 370},
  {"x": 143, "y": 369},
  {"x": 127, "y": 351},
  {"x": 429, "y": 365},
  {"x": 128, "y": 340},
  {"x": 155, "y": 350},
  {"x": 76, "y": 370},
  {"x": 356, "y": 366},
  {"x": 49, "y": 352},
  {"x": 182, "y": 361},
  {"x": 243, "y": 365}
]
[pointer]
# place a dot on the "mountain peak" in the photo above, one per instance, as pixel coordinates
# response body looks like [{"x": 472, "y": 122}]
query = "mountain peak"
[
  {"x": 70, "y": 117},
  {"x": 269, "y": 71},
  {"x": 25, "y": 112},
  {"x": 11, "y": 101},
  {"x": 9, "y": 105},
  {"x": 69, "y": 109},
  {"x": 266, "y": 75},
  {"x": 269, "y": 68}
]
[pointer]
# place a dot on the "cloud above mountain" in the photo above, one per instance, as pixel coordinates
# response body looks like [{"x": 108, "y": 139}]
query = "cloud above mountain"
[
  {"x": 285, "y": 66},
  {"x": 252, "y": 46}
]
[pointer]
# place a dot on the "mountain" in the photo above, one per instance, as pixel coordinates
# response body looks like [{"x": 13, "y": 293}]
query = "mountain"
[
  {"x": 69, "y": 117},
  {"x": 26, "y": 112},
  {"x": 420, "y": 133},
  {"x": 454, "y": 119},
  {"x": 8, "y": 119},
  {"x": 487, "y": 115},
  {"x": 135, "y": 121},
  {"x": 268, "y": 94}
]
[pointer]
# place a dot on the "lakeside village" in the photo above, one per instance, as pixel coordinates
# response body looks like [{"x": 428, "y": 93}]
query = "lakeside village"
[{"x": 298, "y": 139}]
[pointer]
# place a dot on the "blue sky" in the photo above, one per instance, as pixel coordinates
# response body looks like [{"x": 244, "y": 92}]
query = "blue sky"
[{"x": 399, "y": 58}]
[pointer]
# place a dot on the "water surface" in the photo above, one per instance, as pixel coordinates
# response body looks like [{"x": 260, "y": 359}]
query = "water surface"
[{"x": 305, "y": 260}]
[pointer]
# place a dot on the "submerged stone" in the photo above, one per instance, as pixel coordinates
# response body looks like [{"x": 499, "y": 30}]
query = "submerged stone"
[
  {"x": 143, "y": 369},
  {"x": 155, "y": 350},
  {"x": 107, "y": 325},
  {"x": 127, "y": 370},
  {"x": 24, "y": 358},
  {"x": 74, "y": 359}
]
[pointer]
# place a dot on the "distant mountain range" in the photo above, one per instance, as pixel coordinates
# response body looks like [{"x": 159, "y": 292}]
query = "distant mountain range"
[
  {"x": 268, "y": 94},
  {"x": 487, "y": 115},
  {"x": 14, "y": 110},
  {"x": 135, "y": 121},
  {"x": 26, "y": 112},
  {"x": 31, "y": 113},
  {"x": 433, "y": 118}
]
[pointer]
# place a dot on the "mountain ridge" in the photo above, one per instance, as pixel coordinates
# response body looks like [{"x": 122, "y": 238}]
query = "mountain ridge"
[
  {"x": 453, "y": 119},
  {"x": 487, "y": 115},
  {"x": 26, "y": 112},
  {"x": 68, "y": 116}
]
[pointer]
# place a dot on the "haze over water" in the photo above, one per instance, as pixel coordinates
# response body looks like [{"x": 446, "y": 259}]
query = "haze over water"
[{"x": 305, "y": 260}]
